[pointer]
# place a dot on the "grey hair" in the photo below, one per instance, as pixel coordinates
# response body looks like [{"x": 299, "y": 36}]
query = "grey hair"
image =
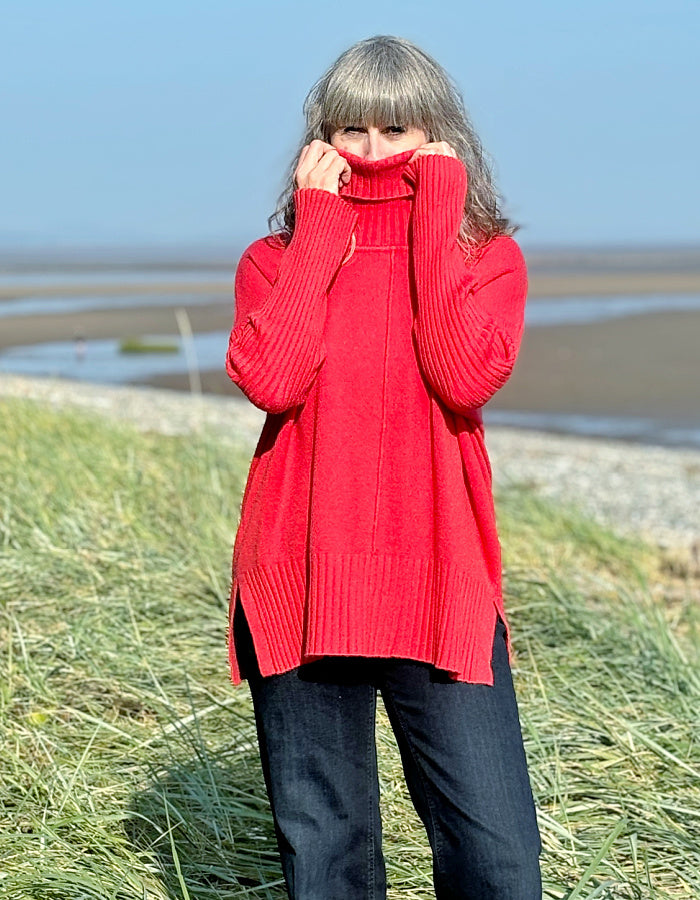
[{"x": 384, "y": 81}]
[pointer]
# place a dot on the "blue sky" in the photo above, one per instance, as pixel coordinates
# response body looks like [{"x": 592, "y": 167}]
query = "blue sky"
[{"x": 154, "y": 123}]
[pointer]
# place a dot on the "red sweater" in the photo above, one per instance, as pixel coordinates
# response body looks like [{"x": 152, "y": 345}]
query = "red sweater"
[{"x": 367, "y": 524}]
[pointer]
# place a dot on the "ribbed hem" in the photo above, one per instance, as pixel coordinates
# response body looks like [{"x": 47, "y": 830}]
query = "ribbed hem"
[{"x": 368, "y": 605}]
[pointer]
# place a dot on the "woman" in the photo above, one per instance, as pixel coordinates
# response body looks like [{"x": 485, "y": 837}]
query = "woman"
[{"x": 371, "y": 328}]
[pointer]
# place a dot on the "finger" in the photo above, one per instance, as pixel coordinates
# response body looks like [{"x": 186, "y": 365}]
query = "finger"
[
  {"x": 330, "y": 158},
  {"x": 318, "y": 148},
  {"x": 310, "y": 156},
  {"x": 308, "y": 159},
  {"x": 324, "y": 145},
  {"x": 434, "y": 148},
  {"x": 330, "y": 176},
  {"x": 300, "y": 167},
  {"x": 339, "y": 166},
  {"x": 437, "y": 147}
]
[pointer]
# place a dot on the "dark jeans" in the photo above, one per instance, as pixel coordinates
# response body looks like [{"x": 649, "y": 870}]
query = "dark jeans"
[{"x": 463, "y": 760}]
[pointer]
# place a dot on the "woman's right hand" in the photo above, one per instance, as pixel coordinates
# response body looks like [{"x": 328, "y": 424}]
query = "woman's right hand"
[{"x": 321, "y": 166}]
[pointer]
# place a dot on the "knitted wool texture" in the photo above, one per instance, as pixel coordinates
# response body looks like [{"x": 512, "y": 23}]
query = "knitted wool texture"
[{"x": 367, "y": 523}]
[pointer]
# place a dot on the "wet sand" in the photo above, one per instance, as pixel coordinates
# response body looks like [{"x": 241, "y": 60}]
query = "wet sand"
[
  {"x": 113, "y": 323},
  {"x": 646, "y": 365},
  {"x": 601, "y": 284}
]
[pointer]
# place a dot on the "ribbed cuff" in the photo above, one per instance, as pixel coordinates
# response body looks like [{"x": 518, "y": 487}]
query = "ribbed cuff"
[
  {"x": 441, "y": 191},
  {"x": 321, "y": 237},
  {"x": 324, "y": 225},
  {"x": 274, "y": 356}
]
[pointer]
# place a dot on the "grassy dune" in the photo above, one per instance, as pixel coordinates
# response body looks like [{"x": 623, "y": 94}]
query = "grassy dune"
[{"x": 128, "y": 766}]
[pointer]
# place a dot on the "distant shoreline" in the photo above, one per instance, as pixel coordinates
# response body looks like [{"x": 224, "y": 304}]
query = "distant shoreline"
[{"x": 541, "y": 284}]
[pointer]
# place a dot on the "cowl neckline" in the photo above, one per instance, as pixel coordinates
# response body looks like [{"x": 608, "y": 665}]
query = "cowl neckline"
[{"x": 378, "y": 179}]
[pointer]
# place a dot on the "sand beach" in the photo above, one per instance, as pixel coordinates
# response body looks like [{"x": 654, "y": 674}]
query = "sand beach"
[{"x": 641, "y": 365}]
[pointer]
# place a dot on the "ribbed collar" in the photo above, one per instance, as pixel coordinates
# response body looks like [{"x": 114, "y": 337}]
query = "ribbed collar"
[{"x": 377, "y": 179}]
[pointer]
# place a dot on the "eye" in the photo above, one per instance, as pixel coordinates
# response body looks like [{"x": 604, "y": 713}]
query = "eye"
[
  {"x": 353, "y": 129},
  {"x": 395, "y": 129}
]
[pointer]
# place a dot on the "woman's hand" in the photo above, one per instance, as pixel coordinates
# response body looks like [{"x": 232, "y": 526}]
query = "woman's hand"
[
  {"x": 321, "y": 166},
  {"x": 434, "y": 148}
]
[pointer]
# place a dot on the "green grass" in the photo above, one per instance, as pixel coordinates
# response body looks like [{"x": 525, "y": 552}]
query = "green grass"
[
  {"x": 128, "y": 765},
  {"x": 147, "y": 345}
]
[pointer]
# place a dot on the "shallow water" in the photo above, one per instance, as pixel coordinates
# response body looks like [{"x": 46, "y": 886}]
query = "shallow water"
[
  {"x": 584, "y": 310},
  {"x": 102, "y": 361},
  {"x": 25, "y": 281},
  {"x": 46, "y": 306}
]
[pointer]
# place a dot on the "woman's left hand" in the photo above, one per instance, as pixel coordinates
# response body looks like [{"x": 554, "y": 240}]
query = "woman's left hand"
[{"x": 435, "y": 148}]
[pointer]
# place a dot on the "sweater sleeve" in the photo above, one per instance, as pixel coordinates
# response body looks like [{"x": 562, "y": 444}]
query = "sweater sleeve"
[
  {"x": 470, "y": 317},
  {"x": 276, "y": 345}
]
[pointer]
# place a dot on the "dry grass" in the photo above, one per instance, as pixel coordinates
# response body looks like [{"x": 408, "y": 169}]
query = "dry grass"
[{"x": 129, "y": 767}]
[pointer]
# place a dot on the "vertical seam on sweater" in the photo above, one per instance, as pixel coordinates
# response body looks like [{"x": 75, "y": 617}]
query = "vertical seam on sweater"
[{"x": 384, "y": 381}]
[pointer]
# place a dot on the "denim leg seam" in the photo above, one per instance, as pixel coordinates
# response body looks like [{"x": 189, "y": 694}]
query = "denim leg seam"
[
  {"x": 370, "y": 792},
  {"x": 426, "y": 793}
]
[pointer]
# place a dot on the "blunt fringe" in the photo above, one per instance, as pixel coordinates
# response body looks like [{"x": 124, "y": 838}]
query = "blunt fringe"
[{"x": 386, "y": 80}]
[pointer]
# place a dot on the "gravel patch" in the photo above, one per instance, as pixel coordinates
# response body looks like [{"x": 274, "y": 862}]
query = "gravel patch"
[
  {"x": 149, "y": 409},
  {"x": 637, "y": 489}
]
